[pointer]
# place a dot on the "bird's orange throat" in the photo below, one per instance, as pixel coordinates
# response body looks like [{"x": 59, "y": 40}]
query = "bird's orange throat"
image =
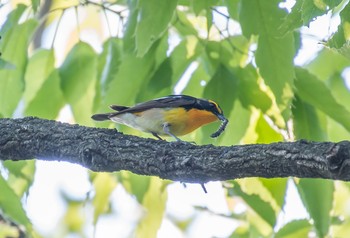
[
  {"x": 199, "y": 118},
  {"x": 183, "y": 122}
]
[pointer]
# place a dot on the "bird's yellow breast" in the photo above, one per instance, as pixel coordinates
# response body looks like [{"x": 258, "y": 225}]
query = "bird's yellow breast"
[{"x": 184, "y": 121}]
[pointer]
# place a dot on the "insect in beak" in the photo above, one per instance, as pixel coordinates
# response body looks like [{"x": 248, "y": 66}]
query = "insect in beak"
[{"x": 222, "y": 127}]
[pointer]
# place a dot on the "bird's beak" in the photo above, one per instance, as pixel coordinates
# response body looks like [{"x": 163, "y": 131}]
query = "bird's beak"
[{"x": 221, "y": 117}]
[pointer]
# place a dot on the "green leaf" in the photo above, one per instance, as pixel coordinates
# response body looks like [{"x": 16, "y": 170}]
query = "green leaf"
[
  {"x": 321, "y": 66},
  {"x": 48, "y": 100},
  {"x": 78, "y": 79},
  {"x": 183, "y": 25},
  {"x": 152, "y": 24},
  {"x": 162, "y": 51},
  {"x": 237, "y": 126},
  {"x": 306, "y": 121},
  {"x": 74, "y": 217},
  {"x": 336, "y": 132},
  {"x": 104, "y": 184},
  {"x": 136, "y": 185},
  {"x": 312, "y": 9},
  {"x": 15, "y": 168},
  {"x": 109, "y": 62},
  {"x": 250, "y": 92},
  {"x": 12, "y": 19},
  {"x": 316, "y": 93},
  {"x": 222, "y": 88},
  {"x": 197, "y": 82},
  {"x": 233, "y": 7},
  {"x": 262, "y": 208},
  {"x": 342, "y": 94},
  {"x": 21, "y": 175},
  {"x": 277, "y": 188},
  {"x": 340, "y": 90},
  {"x": 265, "y": 133},
  {"x": 171, "y": 70},
  {"x": 160, "y": 83},
  {"x": 183, "y": 55},
  {"x": 264, "y": 19},
  {"x": 129, "y": 44},
  {"x": 247, "y": 231},
  {"x": 125, "y": 86},
  {"x": 6, "y": 230},
  {"x": 231, "y": 52},
  {"x": 296, "y": 228},
  {"x": 204, "y": 5},
  {"x": 342, "y": 35},
  {"x": 209, "y": 18},
  {"x": 39, "y": 67},
  {"x": 108, "y": 66},
  {"x": 6, "y": 65},
  {"x": 332, "y": 3},
  {"x": 77, "y": 71},
  {"x": 11, "y": 204},
  {"x": 154, "y": 202},
  {"x": 35, "y": 5},
  {"x": 14, "y": 44},
  {"x": 261, "y": 18},
  {"x": 344, "y": 50},
  {"x": 320, "y": 208},
  {"x": 278, "y": 72},
  {"x": 293, "y": 20},
  {"x": 14, "y": 47}
]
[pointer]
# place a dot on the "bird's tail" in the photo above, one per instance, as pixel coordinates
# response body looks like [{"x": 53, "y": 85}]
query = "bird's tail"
[{"x": 102, "y": 117}]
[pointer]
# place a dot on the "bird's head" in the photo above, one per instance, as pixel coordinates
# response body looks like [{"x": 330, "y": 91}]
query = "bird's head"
[{"x": 215, "y": 109}]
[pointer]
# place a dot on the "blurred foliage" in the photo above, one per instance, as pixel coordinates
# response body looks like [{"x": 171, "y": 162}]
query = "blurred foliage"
[{"x": 240, "y": 53}]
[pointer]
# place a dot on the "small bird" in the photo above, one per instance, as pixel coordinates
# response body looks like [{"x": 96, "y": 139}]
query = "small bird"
[{"x": 173, "y": 115}]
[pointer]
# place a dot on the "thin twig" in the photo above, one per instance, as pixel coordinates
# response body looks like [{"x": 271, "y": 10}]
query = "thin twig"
[
  {"x": 220, "y": 13},
  {"x": 104, "y": 7},
  {"x": 56, "y": 30},
  {"x": 107, "y": 21},
  {"x": 229, "y": 42},
  {"x": 77, "y": 19},
  {"x": 227, "y": 30}
]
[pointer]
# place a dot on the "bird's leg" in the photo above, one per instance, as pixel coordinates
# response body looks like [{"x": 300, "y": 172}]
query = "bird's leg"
[
  {"x": 204, "y": 188},
  {"x": 156, "y": 135},
  {"x": 166, "y": 129},
  {"x": 202, "y": 185}
]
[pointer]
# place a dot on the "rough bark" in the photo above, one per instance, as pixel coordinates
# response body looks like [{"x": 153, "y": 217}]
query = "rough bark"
[{"x": 107, "y": 150}]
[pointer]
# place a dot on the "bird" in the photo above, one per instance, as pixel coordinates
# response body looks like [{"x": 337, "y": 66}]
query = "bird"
[{"x": 173, "y": 115}]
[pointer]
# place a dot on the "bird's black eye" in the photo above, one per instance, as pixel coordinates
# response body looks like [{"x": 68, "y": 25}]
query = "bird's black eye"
[{"x": 215, "y": 107}]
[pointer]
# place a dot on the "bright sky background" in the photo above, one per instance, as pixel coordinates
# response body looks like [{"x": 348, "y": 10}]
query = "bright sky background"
[{"x": 45, "y": 206}]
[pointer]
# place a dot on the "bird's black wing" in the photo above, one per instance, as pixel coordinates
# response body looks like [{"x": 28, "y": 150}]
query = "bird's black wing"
[
  {"x": 164, "y": 102},
  {"x": 118, "y": 108}
]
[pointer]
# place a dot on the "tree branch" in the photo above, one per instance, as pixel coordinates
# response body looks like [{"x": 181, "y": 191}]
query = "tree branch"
[{"x": 108, "y": 150}]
